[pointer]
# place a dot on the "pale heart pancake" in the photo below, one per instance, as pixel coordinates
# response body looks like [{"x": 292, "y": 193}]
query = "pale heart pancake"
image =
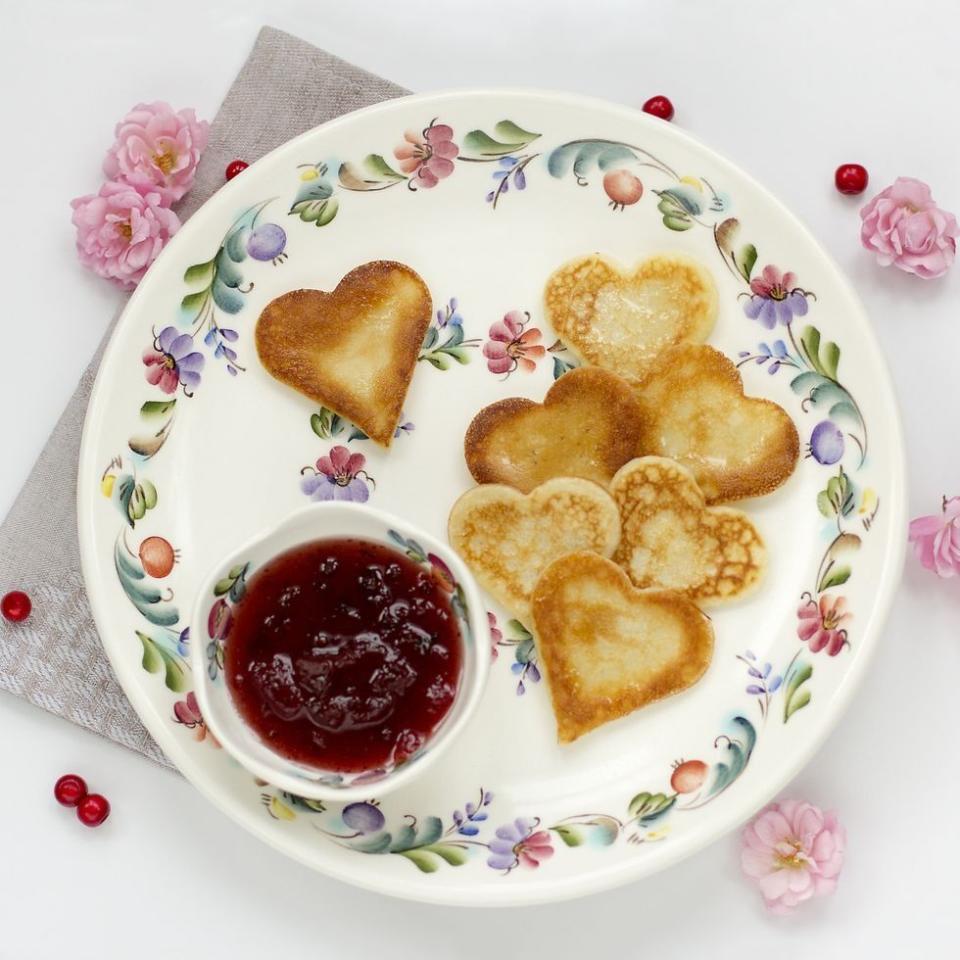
[
  {"x": 608, "y": 649},
  {"x": 352, "y": 350},
  {"x": 672, "y": 540},
  {"x": 621, "y": 319},
  {"x": 586, "y": 427},
  {"x": 508, "y": 538},
  {"x": 695, "y": 412}
]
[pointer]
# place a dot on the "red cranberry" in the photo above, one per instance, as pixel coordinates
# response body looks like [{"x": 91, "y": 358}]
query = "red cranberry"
[
  {"x": 70, "y": 789},
  {"x": 851, "y": 178},
  {"x": 16, "y": 606},
  {"x": 659, "y": 106},
  {"x": 93, "y": 809},
  {"x": 235, "y": 167}
]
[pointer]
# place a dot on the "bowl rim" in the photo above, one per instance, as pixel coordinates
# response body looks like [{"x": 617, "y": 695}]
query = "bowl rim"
[{"x": 469, "y": 694}]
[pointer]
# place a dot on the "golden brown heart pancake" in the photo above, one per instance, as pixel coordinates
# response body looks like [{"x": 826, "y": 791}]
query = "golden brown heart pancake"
[
  {"x": 623, "y": 319},
  {"x": 607, "y": 648},
  {"x": 695, "y": 412},
  {"x": 508, "y": 538},
  {"x": 586, "y": 427},
  {"x": 353, "y": 349},
  {"x": 671, "y": 540}
]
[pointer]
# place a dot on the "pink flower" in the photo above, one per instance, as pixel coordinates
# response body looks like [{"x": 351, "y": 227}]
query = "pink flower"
[
  {"x": 496, "y": 635},
  {"x": 157, "y": 149},
  {"x": 121, "y": 231},
  {"x": 936, "y": 539},
  {"x": 187, "y": 712},
  {"x": 428, "y": 156},
  {"x": 775, "y": 298},
  {"x": 511, "y": 345},
  {"x": 172, "y": 361},
  {"x": 794, "y": 851},
  {"x": 339, "y": 475},
  {"x": 442, "y": 573},
  {"x": 904, "y": 226},
  {"x": 519, "y": 843},
  {"x": 820, "y": 624}
]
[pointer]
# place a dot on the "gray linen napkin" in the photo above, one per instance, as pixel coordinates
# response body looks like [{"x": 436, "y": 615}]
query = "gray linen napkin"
[{"x": 55, "y": 659}]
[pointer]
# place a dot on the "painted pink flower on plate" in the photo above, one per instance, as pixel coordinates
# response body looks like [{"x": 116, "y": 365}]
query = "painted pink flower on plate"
[
  {"x": 936, "y": 539},
  {"x": 172, "y": 361},
  {"x": 775, "y": 298},
  {"x": 793, "y": 851},
  {"x": 121, "y": 231},
  {"x": 904, "y": 226},
  {"x": 187, "y": 712},
  {"x": 427, "y": 157},
  {"x": 339, "y": 475},
  {"x": 821, "y": 624},
  {"x": 157, "y": 149},
  {"x": 512, "y": 345},
  {"x": 496, "y": 635},
  {"x": 519, "y": 843}
]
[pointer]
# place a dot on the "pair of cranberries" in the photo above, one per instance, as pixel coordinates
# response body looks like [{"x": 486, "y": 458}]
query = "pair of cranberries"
[{"x": 92, "y": 808}]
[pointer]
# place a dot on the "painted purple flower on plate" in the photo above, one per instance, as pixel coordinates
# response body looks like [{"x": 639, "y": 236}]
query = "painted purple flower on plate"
[
  {"x": 519, "y": 843},
  {"x": 172, "y": 362},
  {"x": 775, "y": 298},
  {"x": 339, "y": 475}
]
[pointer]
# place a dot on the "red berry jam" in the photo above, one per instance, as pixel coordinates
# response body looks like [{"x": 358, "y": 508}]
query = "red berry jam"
[{"x": 344, "y": 654}]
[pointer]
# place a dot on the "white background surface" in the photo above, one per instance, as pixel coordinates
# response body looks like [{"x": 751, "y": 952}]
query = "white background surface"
[{"x": 785, "y": 90}]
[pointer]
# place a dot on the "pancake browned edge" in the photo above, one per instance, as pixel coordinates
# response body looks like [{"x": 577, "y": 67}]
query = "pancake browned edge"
[
  {"x": 607, "y": 648},
  {"x": 319, "y": 343},
  {"x": 586, "y": 427},
  {"x": 671, "y": 540},
  {"x": 508, "y": 538},
  {"x": 694, "y": 411},
  {"x": 620, "y": 318}
]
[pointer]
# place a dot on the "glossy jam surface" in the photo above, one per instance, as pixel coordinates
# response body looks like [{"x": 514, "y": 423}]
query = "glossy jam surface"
[{"x": 344, "y": 654}]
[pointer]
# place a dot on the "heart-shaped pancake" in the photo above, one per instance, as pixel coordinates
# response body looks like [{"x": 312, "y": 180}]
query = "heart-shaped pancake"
[
  {"x": 623, "y": 319},
  {"x": 695, "y": 412},
  {"x": 609, "y": 649},
  {"x": 508, "y": 538},
  {"x": 354, "y": 349},
  {"x": 586, "y": 427},
  {"x": 670, "y": 539}
]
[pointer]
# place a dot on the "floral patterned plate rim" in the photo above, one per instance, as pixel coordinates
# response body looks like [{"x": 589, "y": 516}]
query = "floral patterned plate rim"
[{"x": 189, "y": 448}]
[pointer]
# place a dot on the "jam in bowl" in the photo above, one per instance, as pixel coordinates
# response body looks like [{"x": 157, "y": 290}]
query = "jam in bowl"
[{"x": 341, "y": 652}]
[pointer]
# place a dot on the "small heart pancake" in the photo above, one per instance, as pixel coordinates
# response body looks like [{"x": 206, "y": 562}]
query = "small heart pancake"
[
  {"x": 352, "y": 350},
  {"x": 670, "y": 539},
  {"x": 609, "y": 649},
  {"x": 695, "y": 412},
  {"x": 508, "y": 538},
  {"x": 586, "y": 427},
  {"x": 622, "y": 320}
]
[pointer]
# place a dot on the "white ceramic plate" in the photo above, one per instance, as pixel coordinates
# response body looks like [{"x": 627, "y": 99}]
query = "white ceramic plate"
[{"x": 511, "y": 187}]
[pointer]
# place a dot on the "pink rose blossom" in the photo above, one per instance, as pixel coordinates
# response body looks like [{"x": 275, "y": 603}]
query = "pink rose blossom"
[
  {"x": 157, "y": 149},
  {"x": 936, "y": 539},
  {"x": 121, "y": 231},
  {"x": 794, "y": 851},
  {"x": 904, "y": 226}
]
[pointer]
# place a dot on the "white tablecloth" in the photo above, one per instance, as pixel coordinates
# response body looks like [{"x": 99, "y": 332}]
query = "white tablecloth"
[{"x": 786, "y": 91}]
